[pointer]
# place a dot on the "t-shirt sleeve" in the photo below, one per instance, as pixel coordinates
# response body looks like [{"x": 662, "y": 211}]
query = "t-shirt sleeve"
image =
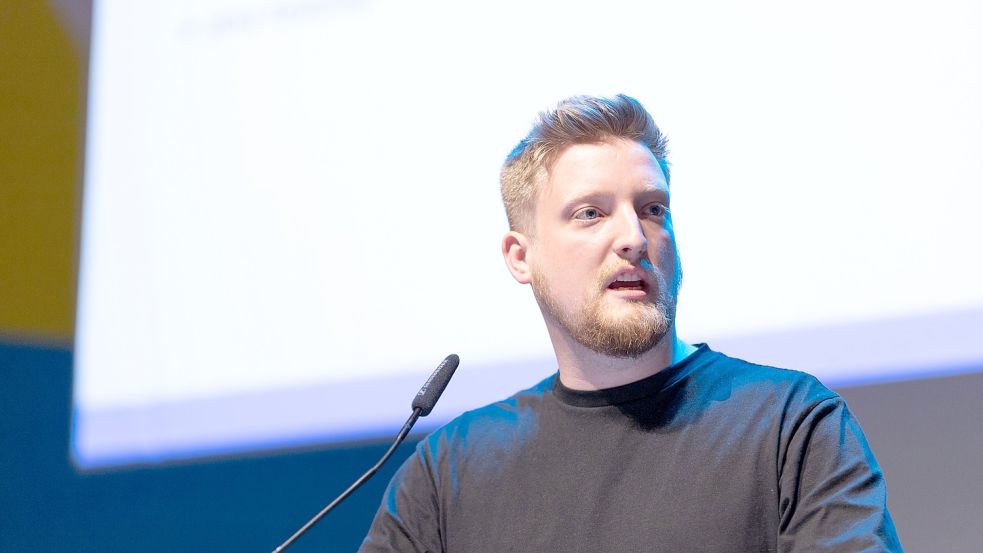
[
  {"x": 407, "y": 520},
  {"x": 832, "y": 492}
]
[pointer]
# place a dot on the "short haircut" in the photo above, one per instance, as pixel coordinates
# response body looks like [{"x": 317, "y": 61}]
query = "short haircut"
[{"x": 575, "y": 120}]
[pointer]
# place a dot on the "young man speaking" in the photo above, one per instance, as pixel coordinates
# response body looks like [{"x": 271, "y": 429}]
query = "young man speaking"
[{"x": 640, "y": 442}]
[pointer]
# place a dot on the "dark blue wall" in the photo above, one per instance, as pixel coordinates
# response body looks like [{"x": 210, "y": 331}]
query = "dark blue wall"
[{"x": 243, "y": 504}]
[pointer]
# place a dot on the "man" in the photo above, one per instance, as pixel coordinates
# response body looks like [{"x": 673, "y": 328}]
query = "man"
[{"x": 641, "y": 442}]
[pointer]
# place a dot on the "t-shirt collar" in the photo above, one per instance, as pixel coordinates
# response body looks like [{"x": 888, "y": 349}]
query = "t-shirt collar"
[{"x": 633, "y": 390}]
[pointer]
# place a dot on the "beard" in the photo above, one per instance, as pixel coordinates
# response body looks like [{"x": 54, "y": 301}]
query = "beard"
[{"x": 626, "y": 332}]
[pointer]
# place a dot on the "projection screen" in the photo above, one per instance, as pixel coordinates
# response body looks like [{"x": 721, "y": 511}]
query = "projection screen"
[{"x": 291, "y": 209}]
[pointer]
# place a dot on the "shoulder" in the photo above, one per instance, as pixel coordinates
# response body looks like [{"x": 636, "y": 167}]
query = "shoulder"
[
  {"x": 493, "y": 426},
  {"x": 744, "y": 379},
  {"x": 767, "y": 398}
]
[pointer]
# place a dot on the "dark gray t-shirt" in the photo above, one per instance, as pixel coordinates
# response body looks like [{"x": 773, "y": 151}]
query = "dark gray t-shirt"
[{"x": 711, "y": 454}]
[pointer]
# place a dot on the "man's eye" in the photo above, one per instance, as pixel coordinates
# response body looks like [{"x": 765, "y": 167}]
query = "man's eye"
[
  {"x": 587, "y": 213},
  {"x": 656, "y": 210}
]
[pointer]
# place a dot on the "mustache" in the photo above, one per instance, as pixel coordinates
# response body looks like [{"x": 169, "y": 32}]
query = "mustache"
[{"x": 608, "y": 271}]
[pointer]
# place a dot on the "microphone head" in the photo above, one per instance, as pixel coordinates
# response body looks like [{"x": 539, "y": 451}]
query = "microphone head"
[{"x": 428, "y": 395}]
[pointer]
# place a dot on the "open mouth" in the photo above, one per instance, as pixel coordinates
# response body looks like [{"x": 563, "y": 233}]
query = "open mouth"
[{"x": 627, "y": 283}]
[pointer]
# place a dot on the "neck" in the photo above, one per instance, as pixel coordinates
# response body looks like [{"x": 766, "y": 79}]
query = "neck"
[{"x": 585, "y": 369}]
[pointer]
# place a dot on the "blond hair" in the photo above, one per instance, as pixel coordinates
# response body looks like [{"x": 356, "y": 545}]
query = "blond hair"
[{"x": 575, "y": 120}]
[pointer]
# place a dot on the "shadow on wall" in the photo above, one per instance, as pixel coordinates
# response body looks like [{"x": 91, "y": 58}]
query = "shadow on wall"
[{"x": 928, "y": 437}]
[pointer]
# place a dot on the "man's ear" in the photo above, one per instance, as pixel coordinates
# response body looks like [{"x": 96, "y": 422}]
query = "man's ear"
[{"x": 515, "y": 247}]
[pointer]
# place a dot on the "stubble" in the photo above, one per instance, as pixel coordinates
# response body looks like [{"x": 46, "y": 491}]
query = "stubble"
[{"x": 624, "y": 333}]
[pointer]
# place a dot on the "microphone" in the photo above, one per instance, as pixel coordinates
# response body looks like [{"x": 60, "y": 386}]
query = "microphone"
[
  {"x": 423, "y": 403},
  {"x": 428, "y": 395}
]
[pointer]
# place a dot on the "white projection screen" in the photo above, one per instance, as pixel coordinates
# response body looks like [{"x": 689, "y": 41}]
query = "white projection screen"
[{"x": 291, "y": 208}]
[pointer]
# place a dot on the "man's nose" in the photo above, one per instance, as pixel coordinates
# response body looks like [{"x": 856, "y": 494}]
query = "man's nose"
[{"x": 630, "y": 241}]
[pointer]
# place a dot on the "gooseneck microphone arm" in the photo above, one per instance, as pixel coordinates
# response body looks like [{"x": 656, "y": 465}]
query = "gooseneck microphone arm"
[
  {"x": 423, "y": 403},
  {"x": 368, "y": 474}
]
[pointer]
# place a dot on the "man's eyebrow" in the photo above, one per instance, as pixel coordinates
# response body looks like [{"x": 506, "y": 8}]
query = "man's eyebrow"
[
  {"x": 657, "y": 192},
  {"x": 585, "y": 198},
  {"x": 588, "y": 196}
]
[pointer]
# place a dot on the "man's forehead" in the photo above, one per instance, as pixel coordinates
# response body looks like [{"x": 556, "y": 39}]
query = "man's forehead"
[{"x": 588, "y": 168}]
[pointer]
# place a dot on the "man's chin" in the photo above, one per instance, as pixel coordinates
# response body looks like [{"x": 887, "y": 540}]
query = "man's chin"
[
  {"x": 617, "y": 308},
  {"x": 630, "y": 328},
  {"x": 623, "y": 342}
]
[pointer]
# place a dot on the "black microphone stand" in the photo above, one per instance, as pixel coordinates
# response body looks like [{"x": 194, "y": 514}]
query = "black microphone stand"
[
  {"x": 423, "y": 403},
  {"x": 364, "y": 478}
]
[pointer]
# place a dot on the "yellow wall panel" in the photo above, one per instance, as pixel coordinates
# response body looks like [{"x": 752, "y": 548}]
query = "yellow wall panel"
[{"x": 40, "y": 168}]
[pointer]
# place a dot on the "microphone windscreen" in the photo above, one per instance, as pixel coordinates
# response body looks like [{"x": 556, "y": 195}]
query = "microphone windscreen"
[{"x": 428, "y": 395}]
